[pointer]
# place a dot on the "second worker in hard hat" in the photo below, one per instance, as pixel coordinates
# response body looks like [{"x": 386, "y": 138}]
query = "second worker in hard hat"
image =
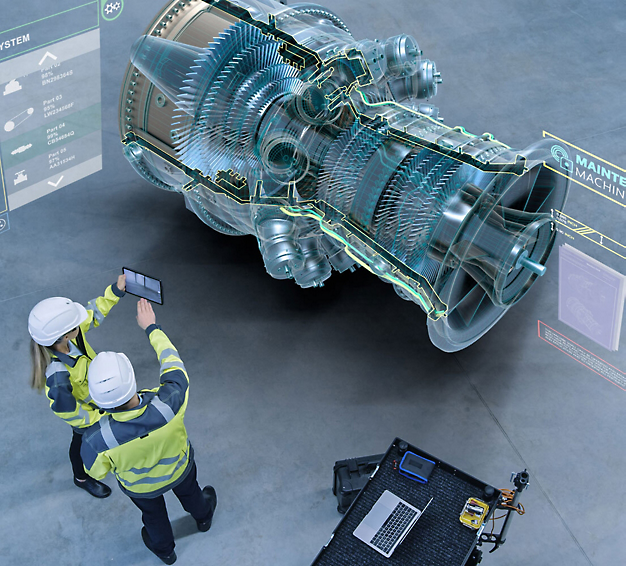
[
  {"x": 60, "y": 357},
  {"x": 143, "y": 441}
]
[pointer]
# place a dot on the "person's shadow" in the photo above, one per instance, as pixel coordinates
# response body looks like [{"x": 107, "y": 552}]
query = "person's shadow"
[{"x": 184, "y": 527}]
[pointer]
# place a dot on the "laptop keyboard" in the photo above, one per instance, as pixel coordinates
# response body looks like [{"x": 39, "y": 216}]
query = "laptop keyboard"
[{"x": 393, "y": 527}]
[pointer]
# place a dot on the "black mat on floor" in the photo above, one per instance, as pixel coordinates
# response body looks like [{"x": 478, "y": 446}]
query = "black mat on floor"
[{"x": 438, "y": 538}]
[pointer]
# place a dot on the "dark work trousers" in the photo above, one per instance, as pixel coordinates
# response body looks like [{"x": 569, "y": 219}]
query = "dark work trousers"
[
  {"x": 154, "y": 512},
  {"x": 75, "y": 459}
]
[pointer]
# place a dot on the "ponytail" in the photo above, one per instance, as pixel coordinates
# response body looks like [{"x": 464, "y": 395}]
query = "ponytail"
[{"x": 40, "y": 359}]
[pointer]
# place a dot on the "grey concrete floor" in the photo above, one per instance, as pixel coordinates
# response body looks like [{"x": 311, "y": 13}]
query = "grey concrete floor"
[{"x": 285, "y": 381}]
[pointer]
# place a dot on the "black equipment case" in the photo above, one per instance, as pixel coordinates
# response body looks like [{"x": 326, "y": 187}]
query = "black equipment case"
[{"x": 350, "y": 477}]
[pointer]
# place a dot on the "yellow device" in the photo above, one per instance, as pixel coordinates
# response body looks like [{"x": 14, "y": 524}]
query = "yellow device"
[{"x": 474, "y": 513}]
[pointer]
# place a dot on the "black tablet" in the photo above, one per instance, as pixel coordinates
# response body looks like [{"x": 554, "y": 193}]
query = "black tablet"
[{"x": 141, "y": 285}]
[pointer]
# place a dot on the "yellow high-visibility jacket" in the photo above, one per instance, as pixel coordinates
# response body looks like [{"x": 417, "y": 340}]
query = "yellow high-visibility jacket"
[
  {"x": 146, "y": 447},
  {"x": 67, "y": 388}
]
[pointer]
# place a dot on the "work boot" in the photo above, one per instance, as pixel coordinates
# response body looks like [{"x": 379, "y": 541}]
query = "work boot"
[
  {"x": 169, "y": 559},
  {"x": 94, "y": 487},
  {"x": 211, "y": 498}
]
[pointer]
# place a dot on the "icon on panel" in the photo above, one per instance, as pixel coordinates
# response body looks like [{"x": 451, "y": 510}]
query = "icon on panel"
[
  {"x": 111, "y": 10},
  {"x": 17, "y": 120},
  {"x": 55, "y": 185},
  {"x": 11, "y": 87},
  {"x": 20, "y": 177},
  {"x": 112, "y": 7},
  {"x": 4, "y": 222},
  {"x": 562, "y": 158},
  {"x": 22, "y": 149},
  {"x": 46, "y": 56}
]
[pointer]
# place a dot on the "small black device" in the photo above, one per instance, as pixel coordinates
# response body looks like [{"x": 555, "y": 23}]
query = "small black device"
[
  {"x": 141, "y": 285},
  {"x": 416, "y": 467}
]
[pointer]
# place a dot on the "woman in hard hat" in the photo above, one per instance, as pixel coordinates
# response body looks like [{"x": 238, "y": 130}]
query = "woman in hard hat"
[{"x": 60, "y": 359}]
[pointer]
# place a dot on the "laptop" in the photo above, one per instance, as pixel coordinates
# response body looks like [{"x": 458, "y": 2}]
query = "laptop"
[{"x": 388, "y": 522}]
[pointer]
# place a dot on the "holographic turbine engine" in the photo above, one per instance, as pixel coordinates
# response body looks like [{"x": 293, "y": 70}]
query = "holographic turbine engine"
[{"x": 274, "y": 121}]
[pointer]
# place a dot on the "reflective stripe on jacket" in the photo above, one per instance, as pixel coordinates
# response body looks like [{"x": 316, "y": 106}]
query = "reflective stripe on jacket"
[
  {"x": 67, "y": 388},
  {"x": 146, "y": 447}
]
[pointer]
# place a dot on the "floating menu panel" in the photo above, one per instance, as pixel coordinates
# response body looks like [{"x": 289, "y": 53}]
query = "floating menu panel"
[
  {"x": 50, "y": 117},
  {"x": 591, "y": 297}
]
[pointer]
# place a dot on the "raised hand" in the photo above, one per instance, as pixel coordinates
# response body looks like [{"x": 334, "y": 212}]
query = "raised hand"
[{"x": 145, "y": 314}]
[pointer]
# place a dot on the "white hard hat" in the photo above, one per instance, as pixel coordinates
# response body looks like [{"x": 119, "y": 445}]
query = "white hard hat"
[
  {"x": 111, "y": 380},
  {"x": 52, "y": 318}
]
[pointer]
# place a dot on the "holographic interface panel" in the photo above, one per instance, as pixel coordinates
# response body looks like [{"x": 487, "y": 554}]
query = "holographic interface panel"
[{"x": 272, "y": 120}]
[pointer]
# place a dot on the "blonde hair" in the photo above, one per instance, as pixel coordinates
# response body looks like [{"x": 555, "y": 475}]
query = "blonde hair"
[{"x": 40, "y": 359}]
